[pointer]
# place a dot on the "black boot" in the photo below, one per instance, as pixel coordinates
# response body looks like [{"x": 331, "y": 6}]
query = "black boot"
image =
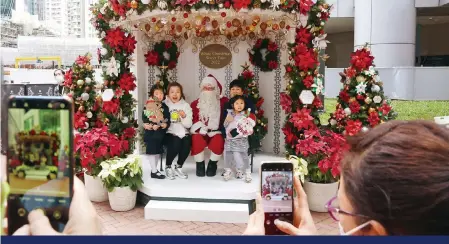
[
  {"x": 200, "y": 169},
  {"x": 211, "y": 168}
]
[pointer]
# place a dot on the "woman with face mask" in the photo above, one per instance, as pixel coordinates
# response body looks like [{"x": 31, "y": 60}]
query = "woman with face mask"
[
  {"x": 59, "y": 77},
  {"x": 394, "y": 181}
]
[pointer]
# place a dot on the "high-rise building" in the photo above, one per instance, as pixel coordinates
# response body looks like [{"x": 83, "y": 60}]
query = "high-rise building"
[
  {"x": 6, "y": 7},
  {"x": 89, "y": 28},
  {"x": 56, "y": 12},
  {"x": 36, "y": 7},
  {"x": 76, "y": 18}
]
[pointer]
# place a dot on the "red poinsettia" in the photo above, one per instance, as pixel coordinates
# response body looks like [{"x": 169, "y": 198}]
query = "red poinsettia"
[
  {"x": 68, "y": 78},
  {"x": 308, "y": 81},
  {"x": 129, "y": 44},
  {"x": 306, "y": 61},
  {"x": 129, "y": 132},
  {"x": 239, "y": 4},
  {"x": 115, "y": 37},
  {"x": 247, "y": 75},
  {"x": 317, "y": 103},
  {"x": 126, "y": 82},
  {"x": 152, "y": 58},
  {"x": 272, "y": 47},
  {"x": 111, "y": 107},
  {"x": 82, "y": 60},
  {"x": 350, "y": 72},
  {"x": 385, "y": 109},
  {"x": 339, "y": 114},
  {"x": 80, "y": 120},
  {"x": 344, "y": 96},
  {"x": 290, "y": 137},
  {"x": 305, "y": 6},
  {"x": 355, "y": 107},
  {"x": 303, "y": 35},
  {"x": 361, "y": 59},
  {"x": 286, "y": 102},
  {"x": 172, "y": 64},
  {"x": 302, "y": 119},
  {"x": 311, "y": 145},
  {"x": 373, "y": 119},
  {"x": 272, "y": 64},
  {"x": 168, "y": 44},
  {"x": 288, "y": 68},
  {"x": 353, "y": 127}
]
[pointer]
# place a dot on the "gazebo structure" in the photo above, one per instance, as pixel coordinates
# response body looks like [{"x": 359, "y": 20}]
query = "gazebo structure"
[{"x": 184, "y": 41}]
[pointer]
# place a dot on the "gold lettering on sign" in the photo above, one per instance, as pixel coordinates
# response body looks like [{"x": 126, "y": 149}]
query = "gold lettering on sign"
[{"x": 215, "y": 56}]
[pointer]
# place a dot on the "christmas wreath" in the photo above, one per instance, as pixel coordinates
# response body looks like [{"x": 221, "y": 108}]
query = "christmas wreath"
[
  {"x": 264, "y": 55},
  {"x": 164, "y": 54}
]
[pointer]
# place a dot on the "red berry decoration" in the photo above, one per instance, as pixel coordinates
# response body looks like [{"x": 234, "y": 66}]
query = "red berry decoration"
[
  {"x": 172, "y": 27},
  {"x": 186, "y": 15},
  {"x": 173, "y": 19},
  {"x": 223, "y": 14},
  {"x": 153, "y": 20},
  {"x": 229, "y": 24},
  {"x": 287, "y": 27}
]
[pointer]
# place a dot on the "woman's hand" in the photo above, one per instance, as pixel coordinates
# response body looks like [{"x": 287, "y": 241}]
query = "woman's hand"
[
  {"x": 256, "y": 220},
  {"x": 83, "y": 219},
  {"x": 182, "y": 114},
  {"x": 147, "y": 126},
  {"x": 155, "y": 127},
  {"x": 302, "y": 218},
  {"x": 164, "y": 125}
]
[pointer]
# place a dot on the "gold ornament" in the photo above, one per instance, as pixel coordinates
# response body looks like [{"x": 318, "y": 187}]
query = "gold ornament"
[
  {"x": 371, "y": 110},
  {"x": 134, "y": 4},
  {"x": 81, "y": 109},
  {"x": 236, "y": 23},
  {"x": 147, "y": 27},
  {"x": 302, "y": 73},
  {"x": 263, "y": 26},
  {"x": 352, "y": 99},
  {"x": 282, "y": 24}
]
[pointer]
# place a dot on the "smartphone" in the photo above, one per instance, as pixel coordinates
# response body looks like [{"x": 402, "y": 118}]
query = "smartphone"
[
  {"x": 40, "y": 159},
  {"x": 276, "y": 187}
]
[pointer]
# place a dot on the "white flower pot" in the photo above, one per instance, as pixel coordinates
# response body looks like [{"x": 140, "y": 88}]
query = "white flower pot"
[
  {"x": 319, "y": 194},
  {"x": 122, "y": 199},
  {"x": 95, "y": 189}
]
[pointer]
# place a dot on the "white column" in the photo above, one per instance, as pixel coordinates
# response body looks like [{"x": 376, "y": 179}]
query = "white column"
[{"x": 390, "y": 28}]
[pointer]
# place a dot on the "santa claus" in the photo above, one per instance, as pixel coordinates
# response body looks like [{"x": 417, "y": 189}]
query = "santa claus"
[{"x": 206, "y": 128}]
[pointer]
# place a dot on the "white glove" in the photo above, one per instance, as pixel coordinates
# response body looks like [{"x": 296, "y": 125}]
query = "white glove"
[{"x": 203, "y": 131}]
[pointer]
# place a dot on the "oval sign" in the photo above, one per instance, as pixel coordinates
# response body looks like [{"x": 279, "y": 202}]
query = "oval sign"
[{"x": 215, "y": 56}]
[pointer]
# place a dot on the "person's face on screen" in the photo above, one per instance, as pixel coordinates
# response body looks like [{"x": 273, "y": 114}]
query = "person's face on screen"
[{"x": 235, "y": 90}]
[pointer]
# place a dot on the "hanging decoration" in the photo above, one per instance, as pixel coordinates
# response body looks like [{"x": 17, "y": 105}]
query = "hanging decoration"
[{"x": 264, "y": 55}]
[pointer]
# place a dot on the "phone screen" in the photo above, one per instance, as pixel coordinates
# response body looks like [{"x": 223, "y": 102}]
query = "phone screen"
[
  {"x": 277, "y": 194},
  {"x": 40, "y": 172}
]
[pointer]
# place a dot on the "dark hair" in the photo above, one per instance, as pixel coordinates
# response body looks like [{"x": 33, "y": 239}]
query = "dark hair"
[
  {"x": 235, "y": 98},
  {"x": 154, "y": 88},
  {"x": 175, "y": 84},
  {"x": 398, "y": 175},
  {"x": 236, "y": 83},
  {"x": 62, "y": 71}
]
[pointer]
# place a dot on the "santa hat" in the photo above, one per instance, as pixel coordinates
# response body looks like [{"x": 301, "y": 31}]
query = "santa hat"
[{"x": 211, "y": 80}]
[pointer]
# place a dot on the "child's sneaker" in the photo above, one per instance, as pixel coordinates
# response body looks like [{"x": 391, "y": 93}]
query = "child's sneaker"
[
  {"x": 248, "y": 177},
  {"x": 179, "y": 173},
  {"x": 169, "y": 173},
  {"x": 227, "y": 174},
  {"x": 239, "y": 174},
  {"x": 157, "y": 175}
]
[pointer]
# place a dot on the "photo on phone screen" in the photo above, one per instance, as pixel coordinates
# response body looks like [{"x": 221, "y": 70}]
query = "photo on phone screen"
[
  {"x": 40, "y": 171},
  {"x": 277, "y": 194}
]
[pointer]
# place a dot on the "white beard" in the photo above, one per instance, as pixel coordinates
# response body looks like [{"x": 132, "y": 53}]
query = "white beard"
[{"x": 209, "y": 109}]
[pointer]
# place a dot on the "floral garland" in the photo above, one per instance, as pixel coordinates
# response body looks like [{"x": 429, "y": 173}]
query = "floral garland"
[
  {"x": 361, "y": 103},
  {"x": 264, "y": 55},
  {"x": 116, "y": 55},
  {"x": 321, "y": 148},
  {"x": 164, "y": 53}
]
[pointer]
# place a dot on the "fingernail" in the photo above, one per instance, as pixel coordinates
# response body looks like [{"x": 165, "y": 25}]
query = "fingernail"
[{"x": 276, "y": 222}]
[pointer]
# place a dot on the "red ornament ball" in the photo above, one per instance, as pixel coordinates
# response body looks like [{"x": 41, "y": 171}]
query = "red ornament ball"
[
  {"x": 229, "y": 24},
  {"x": 173, "y": 19},
  {"x": 153, "y": 20},
  {"x": 223, "y": 14},
  {"x": 287, "y": 27}
]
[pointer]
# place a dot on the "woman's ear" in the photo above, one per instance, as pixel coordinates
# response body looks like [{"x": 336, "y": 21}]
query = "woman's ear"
[{"x": 374, "y": 229}]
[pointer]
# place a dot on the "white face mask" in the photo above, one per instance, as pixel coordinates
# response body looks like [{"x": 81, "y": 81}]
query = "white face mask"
[
  {"x": 343, "y": 233},
  {"x": 59, "y": 78}
]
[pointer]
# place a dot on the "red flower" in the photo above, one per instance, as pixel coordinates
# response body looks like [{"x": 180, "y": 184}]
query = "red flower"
[
  {"x": 355, "y": 107},
  {"x": 152, "y": 58},
  {"x": 317, "y": 102},
  {"x": 350, "y": 72},
  {"x": 340, "y": 114},
  {"x": 353, "y": 127},
  {"x": 272, "y": 47},
  {"x": 115, "y": 37},
  {"x": 290, "y": 137},
  {"x": 385, "y": 109},
  {"x": 80, "y": 120},
  {"x": 111, "y": 107},
  {"x": 288, "y": 68},
  {"x": 303, "y": 35},
  {"x": 360, "y": 97},
  {"x": 118, "y": 92},
  {"x": 129, "y": 132},
  {"x": 286, "y": 102},
  {"x": 305, "y": 6},
  {"x": 272, "y": 64},
  {"x": 239, "y": 4},
  {"x": 258, "y": 43},
  {"x": 171, "y": 64},
  {"x": 227, "y": 4},
  {"x": 129, "y": 44},
  {"x": 361, "y": 59},
  {"x": 126, "y": 82},
  {"x": 82, "y": 60},
  {"x": 344, "y": 96},
  {"x": 306, "y": 61},
  {"x": 68, "y": 78},
  {"x": 302, "y": 119},
  {"x": 168, "y": 44},
  {"x": 373, "y": 119},
  {"x": 247, "y": 75},
  {"x": 308, "y": 81}
]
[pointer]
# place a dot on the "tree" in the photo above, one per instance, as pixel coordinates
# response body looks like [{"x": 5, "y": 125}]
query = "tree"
[
  {"x": 252, "y": 92},
  {"x": 362, "y": 103}
]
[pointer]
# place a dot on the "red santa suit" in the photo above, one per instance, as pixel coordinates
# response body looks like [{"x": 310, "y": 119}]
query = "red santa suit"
[{"x": 206, "y": 127}]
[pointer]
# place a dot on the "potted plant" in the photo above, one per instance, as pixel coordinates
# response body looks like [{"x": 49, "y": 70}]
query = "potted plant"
[
  {"x": 94, "y": 147},
  {"x": 322, "y": 150},
  {"x": 122, "y": 177}
]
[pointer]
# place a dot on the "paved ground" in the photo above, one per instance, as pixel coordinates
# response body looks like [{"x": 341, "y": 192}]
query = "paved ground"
[{"x": 133, "y": 223}]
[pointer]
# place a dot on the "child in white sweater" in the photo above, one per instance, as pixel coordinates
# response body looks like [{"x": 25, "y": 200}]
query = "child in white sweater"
[{"x": 178, "y": 140}]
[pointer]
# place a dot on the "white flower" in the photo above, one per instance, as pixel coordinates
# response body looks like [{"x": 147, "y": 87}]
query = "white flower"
[
  {"x": 125, "y": 120},
  {"x": 375, "y": 88},
  {"x": 303, "y": 19},
  {"x": 113, "y": 67},
  {"x": 86, "y": 125},
  {"x": 318, "y": 85},
  {"x": 103, "y": 34},
  {"x": 333, "y": 122},
  {"x": 89, "y": 115},
  {"x": 162, "y": 4},
  {"x": 264, "y": 53},
  {"x": 103, "y": 51},
  {"x": 361, "y": 88},
  {"x": 220, "y": 5},
  {"x": 85, "y": 96},
  {"x": 320, "y": 42},
  {"x": 275, "y": 4},
  {"x": 360, "y": 78},
  {"x": 166, "y": 55},
  {"x": 300, "y": 167},
  {"x": 88, "y": 80},
  {"x": 371, "y": 71},
  {"x": 80, "y": 82},
  {"x": 347, "y": 111},
  {"x": 377, "y": 99}
]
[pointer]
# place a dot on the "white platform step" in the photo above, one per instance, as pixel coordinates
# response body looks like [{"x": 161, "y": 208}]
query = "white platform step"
[{"x": 197, "y": 211}]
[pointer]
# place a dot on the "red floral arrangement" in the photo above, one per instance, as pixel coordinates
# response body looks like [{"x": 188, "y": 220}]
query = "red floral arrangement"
[
  {"x": 164, "y": 53},
  {"x": 264, "y": 54}
]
